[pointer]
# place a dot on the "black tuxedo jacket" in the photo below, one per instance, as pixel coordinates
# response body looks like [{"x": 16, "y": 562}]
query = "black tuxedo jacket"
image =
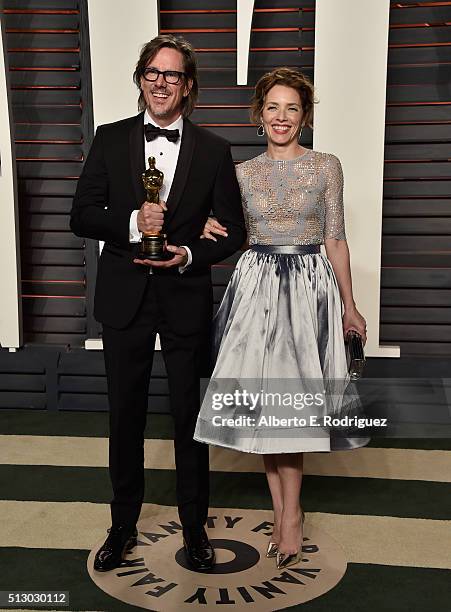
[{"x": 110, "y": 188}]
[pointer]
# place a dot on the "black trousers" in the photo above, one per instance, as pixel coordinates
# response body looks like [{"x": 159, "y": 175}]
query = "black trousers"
[{"x": 128, "y": 361}]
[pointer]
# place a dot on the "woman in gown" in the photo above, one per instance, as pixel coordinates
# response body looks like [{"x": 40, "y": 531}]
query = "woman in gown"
[{"x": 287, "y": 306}]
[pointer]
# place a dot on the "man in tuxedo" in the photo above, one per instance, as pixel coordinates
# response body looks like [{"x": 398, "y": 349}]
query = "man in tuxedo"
[{"x": 137, "y": 299}]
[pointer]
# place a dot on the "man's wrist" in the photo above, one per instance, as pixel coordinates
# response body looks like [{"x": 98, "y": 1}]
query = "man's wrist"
[
  {"x": 189, "y": 259},
  {"x": 134, "y": 235}
]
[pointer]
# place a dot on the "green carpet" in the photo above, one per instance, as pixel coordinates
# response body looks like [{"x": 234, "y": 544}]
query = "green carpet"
[{"x": 366, "y": 587}]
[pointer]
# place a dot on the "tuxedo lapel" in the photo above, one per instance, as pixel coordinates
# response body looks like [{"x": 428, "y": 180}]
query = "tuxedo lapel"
[
  {"x": 182, "y": 169},
  {"x": 136, "y": 155}
]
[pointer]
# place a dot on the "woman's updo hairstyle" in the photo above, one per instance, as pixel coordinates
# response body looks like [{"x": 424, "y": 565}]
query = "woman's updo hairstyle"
[{"x": 290, "y": 78}]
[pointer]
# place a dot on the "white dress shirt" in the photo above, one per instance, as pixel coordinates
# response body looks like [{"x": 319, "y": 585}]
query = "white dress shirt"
[{"x": 166, "y": 155}]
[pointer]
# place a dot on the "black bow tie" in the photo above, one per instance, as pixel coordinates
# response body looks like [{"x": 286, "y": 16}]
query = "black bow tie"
[{"x": 153, "y": 131}]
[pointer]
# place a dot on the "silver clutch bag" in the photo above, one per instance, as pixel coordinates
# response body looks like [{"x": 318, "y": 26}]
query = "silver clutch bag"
[{"x": 355, "y": 356}]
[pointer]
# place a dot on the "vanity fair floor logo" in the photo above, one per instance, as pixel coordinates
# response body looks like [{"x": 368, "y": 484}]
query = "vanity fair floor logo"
[{"x": 155, "y": 575}]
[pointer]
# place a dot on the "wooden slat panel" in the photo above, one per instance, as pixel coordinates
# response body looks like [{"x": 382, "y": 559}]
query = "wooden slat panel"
[
  {"x": 435, "y": 259},
  {"x": 21, "y": 382},
  {"x": 39, "y": 21},
  {"x": 99, "y": 402},
  {"x": 60, "y": 152},
  {"x": 416, "y": 55},
  {"x": 415, "y": 243},
  {"x": 42, "y": 169},
  {"x": 59, "y": 274},
  {"x": 430, "y": 170},
  {"x": 419, "y": 188},
  {"x": 221, "y": 274},
  {"x": 57, "y": 339},
  {"x": 227, "y": 98},
  {"x": 49, "y": 79},
  {"x": 43, "y": 40},
  {"x": 418, "y": 133},
  {"x": 20, "y": 362},
  {"x": 55, "y": 325},
  {"x": 47, "y": 205},
  {"x": 54, "y": 257},
  {"x": 51, "y": 223},
  {"x": 53, "y": 240},
  {"x": 42, "y": 43},
  {"x": 32, "y": 289},
  {"x": 65, "y": 188},
  {"x": 218, "y": 39},
  {"x": 41, "y": 5},
  {"x": 43, "y": 60},
  {"x": 182, "y": 21},
  {"x": 419, "y": 297},
  {"x": 416, "y": 333},
  {"x": 48, "y": 114},
  {"x": 225, "y": 5},
  {"x": 226, "y": 77},
  {"x": 244, "y": 152},
  {"x": 257, "y": 59},
  {"x": 421, "y": 151},
  {"x": 419, "y": 36},
  {"x": 423, "y": 350},
  {"x": 417, "y": 208},
  {"x": 97, "y": 384},
  {"x": 54, "y": 307},
  {"x": 76, "y": 362},
  {"x": 415, "y": 278},
  {"x": 416, "y": 94},
  {"x": 435, "y": 226},
  {"x": 24, "y": 400},
  {"x": 425, "y": 74},
  {"x": 51, "y": 133},
  {"x": 414, "y": 315},
  {"x": 421, "y": 14},
  {"x": 221, "y": 116},
  {"x": 45, "y": 97}
]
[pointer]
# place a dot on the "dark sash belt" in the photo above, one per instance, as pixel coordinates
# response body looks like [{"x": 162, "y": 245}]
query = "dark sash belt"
[{"x": 296, "y": 249}]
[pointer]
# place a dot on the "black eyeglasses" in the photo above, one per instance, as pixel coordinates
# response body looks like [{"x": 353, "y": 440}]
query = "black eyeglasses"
[{"x": 170, "y": 76}]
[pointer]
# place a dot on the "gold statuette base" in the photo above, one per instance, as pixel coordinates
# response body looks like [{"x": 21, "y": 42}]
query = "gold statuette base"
[{"x": 153, "y": 248}]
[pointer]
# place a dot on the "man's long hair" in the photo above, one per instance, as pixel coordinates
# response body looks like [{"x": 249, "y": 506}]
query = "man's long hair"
[{"x": 149, "y": 51}]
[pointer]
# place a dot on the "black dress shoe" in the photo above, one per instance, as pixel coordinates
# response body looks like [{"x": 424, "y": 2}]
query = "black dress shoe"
[
  {"x": 198, "y": 550},
  {"x": 120, "y": 540}
]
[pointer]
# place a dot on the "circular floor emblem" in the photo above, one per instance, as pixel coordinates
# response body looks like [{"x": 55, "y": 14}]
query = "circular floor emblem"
[{"x": 155, "y": 575}]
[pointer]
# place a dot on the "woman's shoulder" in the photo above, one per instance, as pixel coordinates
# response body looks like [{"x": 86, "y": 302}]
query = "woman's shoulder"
[
  {"x": 248, "y": 167},
  {"x": 326, "y": 159}
]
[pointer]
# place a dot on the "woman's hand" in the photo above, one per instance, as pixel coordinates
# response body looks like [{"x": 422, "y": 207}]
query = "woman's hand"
[
  {"x": 352, "y": 319},
  {"x": 212, "y": 226}
]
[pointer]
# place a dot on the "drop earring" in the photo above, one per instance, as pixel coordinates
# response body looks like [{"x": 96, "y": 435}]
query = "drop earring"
[
  {"x": 300, "y": 134},
  {"x": 261, "y": 130}
]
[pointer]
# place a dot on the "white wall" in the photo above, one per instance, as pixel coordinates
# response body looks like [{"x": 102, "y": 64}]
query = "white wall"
[
  {"x": 245, "y": 10},
  {"x": 351, "y": 47},
  {"x": 10, "y": 304},
  {"x": 117, "y": 31}
]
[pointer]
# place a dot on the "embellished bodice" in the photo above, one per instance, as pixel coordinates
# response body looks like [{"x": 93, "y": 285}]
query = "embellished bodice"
[{"x": 296, "y": 201}]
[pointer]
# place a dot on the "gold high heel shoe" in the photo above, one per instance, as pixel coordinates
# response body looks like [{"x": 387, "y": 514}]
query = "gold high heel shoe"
[
  {"x": 272, "y": 550},
  {"x": 273, "y": 547},
  {"x": 283, "y": 560}
]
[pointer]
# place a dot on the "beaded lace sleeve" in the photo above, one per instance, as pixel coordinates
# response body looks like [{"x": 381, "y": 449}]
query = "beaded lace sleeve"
[
  {"x": 242, "y": 184},
  {"x": 334, "y": 225}
]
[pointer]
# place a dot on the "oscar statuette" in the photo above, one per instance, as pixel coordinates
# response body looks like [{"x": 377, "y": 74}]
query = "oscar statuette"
[{"x": 153, "y": 245}]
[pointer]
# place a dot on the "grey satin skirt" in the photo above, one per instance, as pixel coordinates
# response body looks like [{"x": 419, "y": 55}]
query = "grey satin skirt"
[{"x": 279, "y": 329}]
